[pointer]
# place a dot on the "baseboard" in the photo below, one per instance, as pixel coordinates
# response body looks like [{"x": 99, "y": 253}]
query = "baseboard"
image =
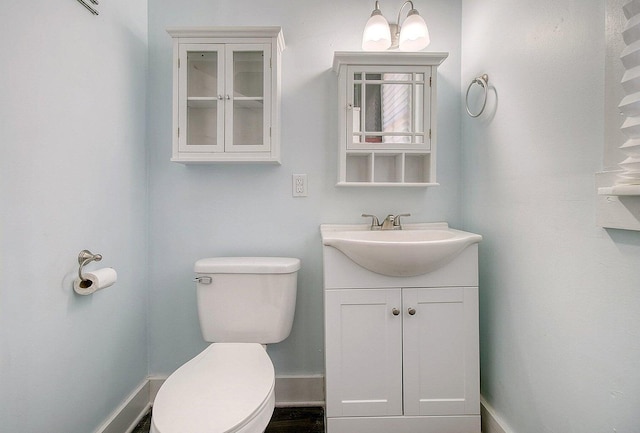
[
  {"x": 154, "y": 386},
  {"x": 299, "y": 391},
  {"x": 291, "y": 391},
  {"x": 491, "y": 422},
  {"x": 125, "y": 418}
]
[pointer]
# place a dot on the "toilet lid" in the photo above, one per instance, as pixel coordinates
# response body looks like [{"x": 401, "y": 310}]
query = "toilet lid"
[
  {"x": 218, "y": 391},
  {"x": 247, "y": 265}
]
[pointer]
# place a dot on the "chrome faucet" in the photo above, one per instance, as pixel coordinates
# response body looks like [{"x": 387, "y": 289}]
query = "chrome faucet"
[
  {"x": 388, "y": 223},
  {"x": 391, "y": 222}
]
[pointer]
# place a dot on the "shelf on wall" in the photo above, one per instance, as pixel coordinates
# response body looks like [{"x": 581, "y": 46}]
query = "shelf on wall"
[
  {"x": 617, "y": 206},
  {"x": 620, "y": 190}
]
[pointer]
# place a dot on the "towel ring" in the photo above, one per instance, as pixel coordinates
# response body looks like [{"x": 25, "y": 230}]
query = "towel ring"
[
  {"x": 84, "y": 258},
  {"x": 482, "y": 81}
]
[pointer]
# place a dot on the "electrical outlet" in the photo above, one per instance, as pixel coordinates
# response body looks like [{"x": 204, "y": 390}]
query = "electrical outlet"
[{"x": 299, "y": 185}]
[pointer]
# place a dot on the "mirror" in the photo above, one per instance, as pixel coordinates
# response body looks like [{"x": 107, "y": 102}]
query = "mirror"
[{"x": 388, "y": 108}]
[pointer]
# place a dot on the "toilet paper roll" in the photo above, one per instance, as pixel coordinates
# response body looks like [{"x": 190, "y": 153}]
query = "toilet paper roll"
[{"x": 95, "y": 280}]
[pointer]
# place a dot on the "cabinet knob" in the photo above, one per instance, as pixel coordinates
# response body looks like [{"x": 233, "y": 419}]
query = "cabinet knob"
[
  {"x": 228, "y": 97},
  {"x": 349, "y": 106},
  {"x": 220, "y": 97},
  {"x": 395, "y": 311},
  {"x": 411, "y": 311}
]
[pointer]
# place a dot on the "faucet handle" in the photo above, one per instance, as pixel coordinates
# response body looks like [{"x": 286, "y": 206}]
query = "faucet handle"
[
  {"x": 396, "y": 220},
  {"x": 375, "y": 224}
]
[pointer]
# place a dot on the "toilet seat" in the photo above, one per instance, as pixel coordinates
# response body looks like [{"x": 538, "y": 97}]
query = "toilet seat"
[{"x": 228, "y": 387}]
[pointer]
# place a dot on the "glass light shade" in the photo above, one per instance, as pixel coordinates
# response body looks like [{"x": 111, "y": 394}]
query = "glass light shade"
[
  {"x": 414, "y": 35},
  {"x": 376, "y": 35}
]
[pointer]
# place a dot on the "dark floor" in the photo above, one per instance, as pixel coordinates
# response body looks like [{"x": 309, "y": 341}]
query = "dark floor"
[
  {"x": 144, "y": 425},
  {"x": 284, "y": 420}
]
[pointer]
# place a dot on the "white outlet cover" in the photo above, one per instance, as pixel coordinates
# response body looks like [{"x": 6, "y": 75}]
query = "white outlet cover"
[{"x": 299, "y": 185}]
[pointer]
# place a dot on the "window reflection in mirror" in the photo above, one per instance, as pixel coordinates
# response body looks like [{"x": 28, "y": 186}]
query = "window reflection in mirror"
[{"x": 389, "y": 107}]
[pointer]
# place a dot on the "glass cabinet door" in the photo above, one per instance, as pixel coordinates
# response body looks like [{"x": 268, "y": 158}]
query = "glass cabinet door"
[
  {"x": 248, "y": 98},
  {"x": 201, "y": 112},
  {"x": 388, "y": 109}
]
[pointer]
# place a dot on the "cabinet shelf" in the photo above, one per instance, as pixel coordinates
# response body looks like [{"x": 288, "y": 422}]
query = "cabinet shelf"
[
  {"x": 202, "y": 102},
  {"x": 387, "y": 168},
  {"x": 257, "y": 103}
]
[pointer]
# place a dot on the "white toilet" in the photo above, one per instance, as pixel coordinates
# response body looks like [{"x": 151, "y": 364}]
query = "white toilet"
[{"x": 243, "y": 304}]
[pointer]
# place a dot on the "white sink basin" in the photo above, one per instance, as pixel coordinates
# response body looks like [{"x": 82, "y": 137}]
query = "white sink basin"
[{"x": 417, "y": 249}]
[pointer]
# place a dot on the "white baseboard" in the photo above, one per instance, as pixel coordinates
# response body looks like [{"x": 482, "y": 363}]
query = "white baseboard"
[
  {"x": 291, "y": 391},
  {"x": 491, "y": 422},
  {"x": 125, "y": 418},
  {"x": 298, "y": 391},
  {"x": 154, "y": 386}
]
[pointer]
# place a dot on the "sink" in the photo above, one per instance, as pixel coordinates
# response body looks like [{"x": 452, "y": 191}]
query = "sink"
[{"x": 417, "y": 249}]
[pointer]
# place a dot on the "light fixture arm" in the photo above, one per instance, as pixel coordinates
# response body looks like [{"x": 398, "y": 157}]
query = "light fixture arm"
[
  {"x": 400, "y": 12},
  {"x": 397, "y": 27},
  {"x": 376, "y": 9}
]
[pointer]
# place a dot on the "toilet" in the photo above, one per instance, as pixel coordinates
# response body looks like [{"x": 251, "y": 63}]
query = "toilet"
[{"x": 244, "y": 303}]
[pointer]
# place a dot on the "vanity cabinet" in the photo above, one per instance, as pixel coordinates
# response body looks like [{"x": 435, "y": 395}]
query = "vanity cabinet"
[
  {"x": 226, "y": 94},
  {"x": 401, "y": 353},
  {"x": 387, "y": 118}
]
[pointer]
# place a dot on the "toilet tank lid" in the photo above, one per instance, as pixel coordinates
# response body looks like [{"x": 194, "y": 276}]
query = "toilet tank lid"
[{"x": 247, "y": 265}]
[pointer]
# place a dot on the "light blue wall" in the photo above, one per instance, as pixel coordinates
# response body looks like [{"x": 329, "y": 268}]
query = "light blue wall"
[
  {"x": 560, "y": 297},
  {"x": 72, "y": 176},
  {"x": 218, "y": 210},
  {"x": 560, "y": 301}
]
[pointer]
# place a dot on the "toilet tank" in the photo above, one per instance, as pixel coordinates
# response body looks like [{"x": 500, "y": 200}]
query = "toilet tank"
[{"x": 246, "y": 299}]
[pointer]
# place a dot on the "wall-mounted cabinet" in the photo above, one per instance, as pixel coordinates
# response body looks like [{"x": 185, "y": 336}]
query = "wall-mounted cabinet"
[
  {"x": 226, "y": 94},
  {"x": 387, "y": 118}
]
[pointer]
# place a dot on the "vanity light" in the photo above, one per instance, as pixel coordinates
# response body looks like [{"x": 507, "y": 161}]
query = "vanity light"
[
  {"x": 376, "y": 35},
  {"x": 411, "y": 35}
]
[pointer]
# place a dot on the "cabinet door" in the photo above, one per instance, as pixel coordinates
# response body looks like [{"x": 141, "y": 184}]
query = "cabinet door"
[
  {"x": 363, "y": 352},
  {"x": 200, "y": 104},
  {"x": 248, "y": 98},
  {"x": 441, "y": 372},
  {"x": 388, "y": 107}
]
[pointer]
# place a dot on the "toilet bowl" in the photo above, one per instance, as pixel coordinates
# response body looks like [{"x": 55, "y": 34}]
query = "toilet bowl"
[
  {"x": 244, "y": 303},
  {"x": 227, "y": 388}
]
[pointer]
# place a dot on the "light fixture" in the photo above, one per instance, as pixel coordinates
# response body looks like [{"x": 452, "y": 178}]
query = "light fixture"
[{"x": 411, "y": 35}]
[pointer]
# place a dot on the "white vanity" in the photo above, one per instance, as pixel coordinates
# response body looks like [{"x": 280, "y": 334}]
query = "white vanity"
[{"x": 401, "y": 348}]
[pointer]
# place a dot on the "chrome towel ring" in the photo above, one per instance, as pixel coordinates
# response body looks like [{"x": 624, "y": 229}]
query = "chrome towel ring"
[{"x": 483, "y": 81}]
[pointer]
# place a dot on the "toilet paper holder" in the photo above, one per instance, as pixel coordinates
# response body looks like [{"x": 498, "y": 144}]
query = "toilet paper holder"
[{"x": 85, "y": 257}]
